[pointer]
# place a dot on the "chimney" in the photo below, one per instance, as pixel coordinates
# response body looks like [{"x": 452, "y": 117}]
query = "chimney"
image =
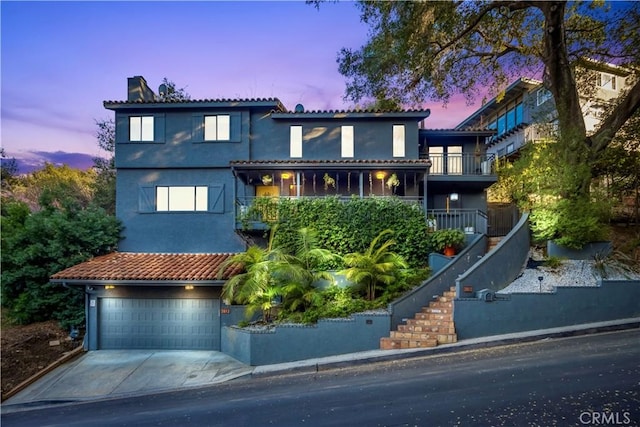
[{"x": 138, "y": 90}]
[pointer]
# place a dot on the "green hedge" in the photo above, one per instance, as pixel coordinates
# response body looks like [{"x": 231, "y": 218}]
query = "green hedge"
[{"x": 350, "y": 226}]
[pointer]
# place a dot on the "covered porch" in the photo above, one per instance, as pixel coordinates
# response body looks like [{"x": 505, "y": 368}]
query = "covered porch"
[{"x": 259, "y": 180}]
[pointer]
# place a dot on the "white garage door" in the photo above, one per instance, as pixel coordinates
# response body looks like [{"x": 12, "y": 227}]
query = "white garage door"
[{"x": 168, "y": 324}]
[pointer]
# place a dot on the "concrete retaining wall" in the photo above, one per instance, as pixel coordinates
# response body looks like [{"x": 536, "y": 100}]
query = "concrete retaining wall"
[
  {"x": 610, "y": 300},
  {"x": 289, "y": 343},
  {"x": 499, "y": 267},
  {"x": 589, "y": 251},
  {"x": 408, "y": 305}
]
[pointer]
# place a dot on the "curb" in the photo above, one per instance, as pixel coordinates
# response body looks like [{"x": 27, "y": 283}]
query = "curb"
[
  {"x": 35, "y": 377},
  {"x": 379, "y": 356}
]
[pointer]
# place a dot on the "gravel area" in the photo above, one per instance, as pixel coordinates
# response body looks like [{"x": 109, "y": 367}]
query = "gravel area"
[{"x": 569, "y": 273}]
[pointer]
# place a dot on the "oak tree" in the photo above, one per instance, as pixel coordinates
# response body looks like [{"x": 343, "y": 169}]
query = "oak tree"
[{"x": 432, "y": 50}]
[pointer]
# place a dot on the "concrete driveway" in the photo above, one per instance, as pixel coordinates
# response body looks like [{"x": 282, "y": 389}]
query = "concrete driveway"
[{"x": 117, "y": 373}]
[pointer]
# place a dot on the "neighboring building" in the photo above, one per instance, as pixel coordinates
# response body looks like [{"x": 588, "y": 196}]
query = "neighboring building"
[
  {"x": 187, "y": 172},
  {"x": 525, "y": 111}
]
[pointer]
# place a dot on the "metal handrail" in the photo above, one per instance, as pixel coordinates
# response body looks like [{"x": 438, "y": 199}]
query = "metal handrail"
[
  {"x": 461, "y": 164},
  {"x": 471, "y": 220}
]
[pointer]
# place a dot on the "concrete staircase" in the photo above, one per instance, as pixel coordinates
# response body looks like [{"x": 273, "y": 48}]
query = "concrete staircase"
[{"x": 433, "y": 325}]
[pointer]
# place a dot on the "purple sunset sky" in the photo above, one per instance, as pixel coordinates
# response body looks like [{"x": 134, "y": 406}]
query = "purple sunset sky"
[{"x": 61, "y": 60}]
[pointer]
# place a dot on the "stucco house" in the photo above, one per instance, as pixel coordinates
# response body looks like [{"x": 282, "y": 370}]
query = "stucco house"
[{"x": 188, "y": 170}]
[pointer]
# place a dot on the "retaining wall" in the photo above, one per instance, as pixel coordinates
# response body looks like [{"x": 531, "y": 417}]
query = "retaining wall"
[
  {"x": 408, "y": 305},
  {"x": 499, "y": 267},
  {"x": 289, "y": 343},
  {"x": 609, "y": 300}
]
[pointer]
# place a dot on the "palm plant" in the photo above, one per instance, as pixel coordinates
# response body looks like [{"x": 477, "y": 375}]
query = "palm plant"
[
  {"x": 271, "y": 275},
  {"x": 304, "y": 270},
  {"x": 259, "y": 280},
  {"x": 377, "y": 265}
]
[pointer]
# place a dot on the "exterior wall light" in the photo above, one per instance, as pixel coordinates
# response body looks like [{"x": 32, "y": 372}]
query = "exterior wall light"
[
  {"x": 380, "y": 175},
  {"x": 454, "y": 197},
  {"x": 189, "y": 287},
  {"x": 109, "y": 286},
  {"x": 286, "y": 175}
]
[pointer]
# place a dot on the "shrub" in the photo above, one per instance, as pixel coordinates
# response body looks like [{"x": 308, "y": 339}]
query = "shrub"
[{"x": 348, "y": 227}]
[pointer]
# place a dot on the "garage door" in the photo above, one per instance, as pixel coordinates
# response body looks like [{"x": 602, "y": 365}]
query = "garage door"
[{"x": 170, "y": 324}]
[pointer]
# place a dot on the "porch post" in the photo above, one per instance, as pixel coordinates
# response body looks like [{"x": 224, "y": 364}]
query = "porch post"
[
  {"x": 361, "y": 184},
  {"x": 424, "y": 196},
  {"x": 298, "y": 185}
]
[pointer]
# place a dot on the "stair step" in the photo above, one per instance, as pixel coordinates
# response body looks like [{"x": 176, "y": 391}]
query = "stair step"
[
  {"x": 431, "y": 326},
  {"x": 391, "y": 343},
  {"x": 438, "y": 310},
  {"x": 441, "y": 304},
  {"x": 443, "y": 329},
  {"x": 430, "y": 322}
]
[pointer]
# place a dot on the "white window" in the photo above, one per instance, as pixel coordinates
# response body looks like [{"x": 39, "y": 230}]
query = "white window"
[
  {"x": 607, "y": 81},
  {"x": 141, "y": 128},
  {"x": 454, "y": 160},
  {"x": 183, "y": 198},
  {"x": 436, "y": 155},
  {"x": 347, "y": 141},
  {"x": 217, "y": 128},
  {"x": 543, "y": 96},
  {"x": 398, "y": 141},
  {"x": 295, "y": 147}
]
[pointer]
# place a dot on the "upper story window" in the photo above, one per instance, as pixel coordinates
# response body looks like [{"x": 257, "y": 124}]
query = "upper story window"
[
  {"x": 436, "y": 155},
  {"x": 398, "y": 140},
  {"x": 606, "y": 81},
  {"x": 181, "y": 198},
  {"x": 141, "y": 128},
  {"x": 217, "y": 128},
  {"x": 346, "y": 145},
  {"x": 454, "y": 160},
  {"x": 507, "y": 120},
  {"x": 543, "y": 95},
  {"x": 295, "y": 142}
]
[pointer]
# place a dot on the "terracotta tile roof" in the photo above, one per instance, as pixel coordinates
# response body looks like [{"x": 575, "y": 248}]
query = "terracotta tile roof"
[{"x": 149, "y": 267}]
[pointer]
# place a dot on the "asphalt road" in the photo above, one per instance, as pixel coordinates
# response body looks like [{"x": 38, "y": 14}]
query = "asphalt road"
[{"x": 586, "y": 380}]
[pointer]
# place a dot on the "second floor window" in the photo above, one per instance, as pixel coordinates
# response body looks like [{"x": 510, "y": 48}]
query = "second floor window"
[
  {"x": 295, "y": 141},
  {"x": 141, "y": 128},
  {"x": 217, "y": 128},
  {"x": 181, "y": 198},
  {"x": 606, "y": 81},
  {"x": 543, "y": 95},
  {"x": 398, "y": 141},
  {"x": 347, "y": 141}
]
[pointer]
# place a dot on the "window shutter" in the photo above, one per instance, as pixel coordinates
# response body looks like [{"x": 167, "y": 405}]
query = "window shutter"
[
  {"x": 158, "y": 128},
  {"x": 146, "y": 199},
  {"x": 197, "y": 128},
  {"x": 236, "y": 128},
  {"x": 216, "y": 198}
]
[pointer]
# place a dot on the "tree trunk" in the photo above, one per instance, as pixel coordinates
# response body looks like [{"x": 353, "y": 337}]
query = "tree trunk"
[{"x": 559, "y": 79}]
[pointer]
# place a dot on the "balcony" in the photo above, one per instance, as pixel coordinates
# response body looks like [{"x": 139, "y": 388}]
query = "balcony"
[{"x": 461, "y": 165}]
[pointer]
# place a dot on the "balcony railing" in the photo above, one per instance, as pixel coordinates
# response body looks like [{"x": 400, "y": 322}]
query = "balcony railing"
[
  {"x": 471, "y": 220},
  {"x": 461, "y": 164}
]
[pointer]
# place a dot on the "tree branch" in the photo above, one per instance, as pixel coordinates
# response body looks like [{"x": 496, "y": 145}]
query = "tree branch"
[{"x": 614, "y": 121}]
